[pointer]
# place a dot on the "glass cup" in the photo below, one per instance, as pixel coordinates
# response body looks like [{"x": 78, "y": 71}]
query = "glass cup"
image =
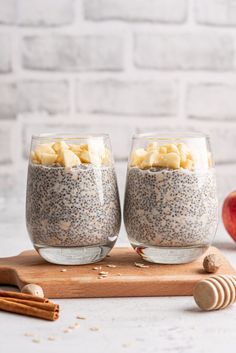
[
  {"x": 171, "y": 207},
  {"x": 72, "y": 203}
]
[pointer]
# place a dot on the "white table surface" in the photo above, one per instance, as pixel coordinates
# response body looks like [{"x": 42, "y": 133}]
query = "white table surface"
[{"x": 164, "y": 324}]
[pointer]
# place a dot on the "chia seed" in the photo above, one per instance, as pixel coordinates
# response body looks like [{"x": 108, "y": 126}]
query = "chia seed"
[
  {"x": 72, "y": 208},
  {"x": 170, "y": 208}
]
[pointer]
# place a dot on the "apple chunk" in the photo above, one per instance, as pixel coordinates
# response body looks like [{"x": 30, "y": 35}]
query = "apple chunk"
[
  {"x": 69, "y": 159},
  {"x": 43, "y": 148},
  {"x": 58, "y": 146},
  {"x": 48, "y": 159}
]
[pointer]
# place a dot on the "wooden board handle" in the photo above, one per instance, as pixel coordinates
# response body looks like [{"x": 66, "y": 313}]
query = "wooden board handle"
[{"x": 8, "y": 275}]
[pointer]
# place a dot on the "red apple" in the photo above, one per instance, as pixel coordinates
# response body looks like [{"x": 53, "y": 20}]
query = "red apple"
[{"x": 229, "y": 214}]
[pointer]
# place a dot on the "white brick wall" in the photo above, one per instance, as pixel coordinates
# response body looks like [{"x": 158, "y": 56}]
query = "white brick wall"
[
  {"x": 45, "y": 12},
  {"x": 5, "y": 140},
  {"x": 8, "y": 11},
  {"x": 8, "y": 104},
  {"x": 72, "y": 53},
  {"x": 216, "y": 12},
  {"x": 212, "y": 101},
  {"x": 45, "y": 96},
  {"x": 117, "y": 66},
  {"x": 184, "y": 51},
  {"x": 51, "y": 97},
  {"x": 127, "y": 97},
  {"x": 5, "y": 56},
  {"x": 163, "y": 11}
]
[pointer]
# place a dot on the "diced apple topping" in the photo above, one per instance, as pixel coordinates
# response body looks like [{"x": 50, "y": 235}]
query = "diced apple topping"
[
  {"x": 106, "y": 157},
  {"x": 187, "y": 164},
  {"x": 169, "y": 160},
  {"x": 163, "y": 149},
  {"x": 149, "y": 160},
  {"x": 48, "y": 159},
  {"x": 210, "y": 161},
  {"x": 43, "y": 148},
  {"x": 71, "y": 155},
  {"x": 61, "y": 145},
  {"x": 173, "y": 156},
  {"x": 34, "y": 158},
  {"x": 85, "y": 157},
  {"x": 138, "y": 156},
  {"x": 152, "y": 146},
  {"x": 69, "y": 159},
  {"x": 78, "y": 148},
  {"x": 172, "y": 148}
]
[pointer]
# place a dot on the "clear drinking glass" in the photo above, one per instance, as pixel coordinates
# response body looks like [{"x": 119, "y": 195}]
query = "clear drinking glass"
[
  {"x": 171, "y": 207},
  {"x": 72, "y": 203}
]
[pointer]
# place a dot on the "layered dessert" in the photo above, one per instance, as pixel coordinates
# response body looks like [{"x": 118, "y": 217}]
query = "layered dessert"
[
  {"x": 170, "y": 200},
  {"x": 72, "y": 196}
]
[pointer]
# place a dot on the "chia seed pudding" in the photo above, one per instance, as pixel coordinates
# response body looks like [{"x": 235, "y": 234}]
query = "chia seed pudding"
[
  {"x": 72, "y": 208},
  {"x": 170, "y": 207}
]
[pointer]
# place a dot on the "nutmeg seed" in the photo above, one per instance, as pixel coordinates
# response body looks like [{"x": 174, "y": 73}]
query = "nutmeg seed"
[
  {"x": 211, "y": 263},
  {"x": 33, "y": 289}
]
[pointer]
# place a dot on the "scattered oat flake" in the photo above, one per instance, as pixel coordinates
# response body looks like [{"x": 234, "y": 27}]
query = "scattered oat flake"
[
  {"x": 111, "y": 266},
  {"x": 51, "y": 338},
  {"x": 95, "y": 268},
  {"x": 36, "y": 340},
  {"x": 66, "y": 330},
  {"x": 125, "y": 345},
  {"x": 29, "y": 334},
  {"x": 63, "y": 270},
  {"x": 95, "y": 328},
  {"x": 80, "y": 317},
  {"x": 138, "y": 264},
  {"x": 71, "y": 327},
  {"x": 77, "y": 325},
  {"x": 103, "y": 273}
]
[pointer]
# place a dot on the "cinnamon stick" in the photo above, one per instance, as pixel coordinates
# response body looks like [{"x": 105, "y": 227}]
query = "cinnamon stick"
[
  {"x": 28, "y": 310},
  {"x": 23, "y": 296},
  {"x": 44, "y": 306}
]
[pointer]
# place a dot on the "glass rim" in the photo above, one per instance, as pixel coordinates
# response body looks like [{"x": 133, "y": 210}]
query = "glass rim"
[
  {"x": 170, "y": 135},
  {"x": 58, "y": 136}
]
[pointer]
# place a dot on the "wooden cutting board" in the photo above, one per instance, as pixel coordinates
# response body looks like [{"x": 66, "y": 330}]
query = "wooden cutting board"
[{"x": 124, "y": 280}]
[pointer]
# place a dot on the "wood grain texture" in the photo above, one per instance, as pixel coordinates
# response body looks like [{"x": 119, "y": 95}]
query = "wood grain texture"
[{"x": 125, "y": 280}]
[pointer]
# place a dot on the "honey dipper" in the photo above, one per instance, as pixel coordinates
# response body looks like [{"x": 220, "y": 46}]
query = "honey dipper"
[{"x": 215, "y": 292}]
